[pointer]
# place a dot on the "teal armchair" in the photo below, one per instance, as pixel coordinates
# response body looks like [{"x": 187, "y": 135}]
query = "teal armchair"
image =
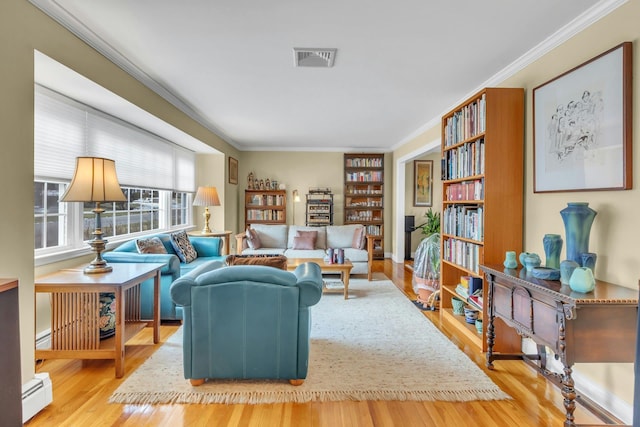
[{"x": 247, "y": 321}]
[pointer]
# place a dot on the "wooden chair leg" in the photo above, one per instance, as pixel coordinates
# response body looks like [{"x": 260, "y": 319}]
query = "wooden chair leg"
[
  {"x": 296, "y": 382},
  {"x": 196, "y": 382}
]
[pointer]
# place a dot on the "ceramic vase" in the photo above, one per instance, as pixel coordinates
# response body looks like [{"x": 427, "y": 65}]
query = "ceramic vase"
[
  {"x": 566, "y": 270},
  {"x": 582, "y": 280},
  {"x": 589, "y": 261},
  {"x": 552, "y": 247},
  {"x": 578, "y": 218},
  {"x": 510, "y": 260},
  {"x": 531, "y": 261}
]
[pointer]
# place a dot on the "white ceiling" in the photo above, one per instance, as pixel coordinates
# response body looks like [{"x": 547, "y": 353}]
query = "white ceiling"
[{"x": 399, "y": 66}]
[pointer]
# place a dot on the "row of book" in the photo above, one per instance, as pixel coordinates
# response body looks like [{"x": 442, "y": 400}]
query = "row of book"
[
  {"x": 265, "y": 215},
  {"x": 266, "y": 200},
  {"x": 374, "y": 230},
  {"x": 466, "y": 190},
  {"x": 465, "y": 123},
  {"x": 464, "y": 161},
  {"x": 366, "y": 176},
  {"x": 464, "y": 254},
  {"x": 364, "y": 162},
  {"x": 464, "y": 221}
]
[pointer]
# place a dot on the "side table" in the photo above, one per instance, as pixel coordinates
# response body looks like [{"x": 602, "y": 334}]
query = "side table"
[
  {"x": 224, "y": 234},
  {"x": 75, "y": 311}
]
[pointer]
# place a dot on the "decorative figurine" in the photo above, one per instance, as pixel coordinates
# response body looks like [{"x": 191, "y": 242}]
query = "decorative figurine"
[
  {"x": 262, "y": 184},
  {"x": 267, "y": 184},
  {"x": 250, "y": 181}
]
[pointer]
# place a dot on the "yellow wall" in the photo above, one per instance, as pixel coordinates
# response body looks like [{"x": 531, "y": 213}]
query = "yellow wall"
[
  {"x": 419, "y": 211},
  {"x": 301, "y": 171},
  {"x": 615, "y": 232},
  {"x": 24, "y": 28}
]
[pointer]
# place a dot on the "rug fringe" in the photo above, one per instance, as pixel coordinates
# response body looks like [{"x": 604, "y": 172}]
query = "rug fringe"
[{"x": 258, "y": 397}]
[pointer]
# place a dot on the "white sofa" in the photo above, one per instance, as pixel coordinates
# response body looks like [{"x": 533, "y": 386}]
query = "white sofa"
[{"x": 279, "y": 239}]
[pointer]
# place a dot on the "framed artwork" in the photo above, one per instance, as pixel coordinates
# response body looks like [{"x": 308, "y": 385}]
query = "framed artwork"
[
  {"x": 233, "y": 170},
  {"x": 422, "y": 182},
  {"x": 582, "y": 126}
]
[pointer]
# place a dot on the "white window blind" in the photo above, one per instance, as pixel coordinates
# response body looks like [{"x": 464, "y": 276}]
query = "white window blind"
[{"x": 66, "y": 129}]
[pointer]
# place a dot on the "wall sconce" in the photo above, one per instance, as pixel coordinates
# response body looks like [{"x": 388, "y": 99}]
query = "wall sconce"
[{"x": 296, "y": 199}]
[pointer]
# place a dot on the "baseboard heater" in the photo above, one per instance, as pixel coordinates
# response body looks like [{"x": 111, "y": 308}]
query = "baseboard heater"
[{"x": 36, "y": 395}]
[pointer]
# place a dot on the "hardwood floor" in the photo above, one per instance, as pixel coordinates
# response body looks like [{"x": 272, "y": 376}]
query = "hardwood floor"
[{"x": 81, "y": 390}]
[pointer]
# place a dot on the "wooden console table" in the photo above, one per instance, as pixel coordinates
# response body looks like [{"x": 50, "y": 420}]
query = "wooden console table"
[
  {"x": 595, "y": 327},
  {"x": 75, "y": 311}
]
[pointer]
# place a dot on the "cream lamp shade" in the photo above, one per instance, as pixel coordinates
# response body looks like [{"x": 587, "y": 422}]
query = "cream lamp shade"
[
  {"x": 206, "y": 196},
  {"x": 95, "y": 180}
]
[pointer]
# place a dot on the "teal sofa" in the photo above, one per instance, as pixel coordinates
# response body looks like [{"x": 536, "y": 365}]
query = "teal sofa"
[
  {"x": 208, "y": 248},
  {"x": 247, "y": 321}
]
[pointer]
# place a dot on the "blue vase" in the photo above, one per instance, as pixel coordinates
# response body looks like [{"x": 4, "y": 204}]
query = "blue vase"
[
  {"x": 589, "y": 261},
  {"x": 566, "y": 270},
  {"x": 552, "y": 247},
  {"x": 578, "y": 218},
  {"x": 510, "y": 260},
  {"x": 582, "y": 280}
]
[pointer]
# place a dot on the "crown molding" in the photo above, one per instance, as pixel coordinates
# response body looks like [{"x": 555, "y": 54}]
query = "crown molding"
[
  {"x": 59, "y": 14},
  {"x": 578, "y": 24}
]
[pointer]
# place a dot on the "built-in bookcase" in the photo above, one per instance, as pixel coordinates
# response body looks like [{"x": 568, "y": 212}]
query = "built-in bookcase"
[
  {"x": 265, "y": 207},
  {"x": 363, "y": 195},
  {"x": 482, "y": 218}
]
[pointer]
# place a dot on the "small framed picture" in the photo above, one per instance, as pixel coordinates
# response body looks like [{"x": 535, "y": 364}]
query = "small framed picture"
[
  {"x": 423, "y": 182},
  {"x": 233, "y": 170}
]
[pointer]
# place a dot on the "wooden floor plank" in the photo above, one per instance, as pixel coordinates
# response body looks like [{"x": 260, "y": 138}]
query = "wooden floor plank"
[{"x": 81, "y": 391}]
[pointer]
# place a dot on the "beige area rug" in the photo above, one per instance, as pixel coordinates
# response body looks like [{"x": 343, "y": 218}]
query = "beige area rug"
[{"x": 374, "y": 346}]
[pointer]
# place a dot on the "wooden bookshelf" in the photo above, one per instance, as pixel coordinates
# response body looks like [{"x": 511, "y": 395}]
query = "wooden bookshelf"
[
  {"x": 482, "y": 178},
  {"x": 363, "y": 195},
  {"x": 265, "y": 207}
]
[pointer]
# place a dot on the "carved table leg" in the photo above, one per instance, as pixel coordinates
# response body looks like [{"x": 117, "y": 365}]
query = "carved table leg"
[
  {"x": 542, "y": 353},
  {"x": 569, "y": 394},
  {"x": 491, "y": 336}
]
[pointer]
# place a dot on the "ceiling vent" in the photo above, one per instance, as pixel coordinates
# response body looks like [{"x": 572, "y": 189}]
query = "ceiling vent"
[{"x": 308, "y": 57}]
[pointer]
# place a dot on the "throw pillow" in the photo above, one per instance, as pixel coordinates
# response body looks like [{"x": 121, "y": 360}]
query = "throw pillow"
[
  {"x": 303, "y": 242},
  {"x": 253, "y": 239},
  {"x": 183, "y": 247},
  {"x": 152, "y": 245},
  {"x": 359, "y": 238},
  {"x": 313, "y": 235},
  {"x": 270, "y": 260}
]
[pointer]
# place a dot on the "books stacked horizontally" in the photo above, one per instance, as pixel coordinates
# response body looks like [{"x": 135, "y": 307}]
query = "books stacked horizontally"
[{"x": 470, "y": 289}]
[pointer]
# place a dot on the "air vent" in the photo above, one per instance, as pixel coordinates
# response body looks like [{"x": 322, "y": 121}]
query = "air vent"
[{"x": 308, "y": 57}]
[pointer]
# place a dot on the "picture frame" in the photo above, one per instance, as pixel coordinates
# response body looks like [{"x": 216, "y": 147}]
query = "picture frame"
[
  {"x": 582, "y": 126},
  {"x": 423, "y": 183},
  {"x": 233, "y": 170}
]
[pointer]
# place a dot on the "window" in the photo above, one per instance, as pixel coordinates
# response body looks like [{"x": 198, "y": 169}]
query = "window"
[
  {"x": 157, "y": 176},
  {"x": 50, "y": 216}
]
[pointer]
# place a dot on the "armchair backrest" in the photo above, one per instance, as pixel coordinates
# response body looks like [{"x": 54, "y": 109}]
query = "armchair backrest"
[{"x": 247, "y": 321}]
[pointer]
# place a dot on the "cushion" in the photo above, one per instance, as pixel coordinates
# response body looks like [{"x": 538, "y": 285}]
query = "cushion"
[
  {"x": 183, "y": 247},
  {"x": 359, "y": 237},
  {"x": 321, "y": 239},
  {"x": 341, "y": 236},
  {"x": 253, "y": 240},
  {"x": 272, "y": 235},
  {"x": 303, "y": 242},
  {"x": 152, "y": 245},
  {"x": 107, "y": 315},
  {"x": 277, "y": 261},
  {"x": 313, "y": 235}
]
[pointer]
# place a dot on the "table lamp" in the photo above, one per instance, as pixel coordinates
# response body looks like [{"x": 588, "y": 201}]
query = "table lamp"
[
  {"x": 206, "y": 196},
  {"x": 95, "y": 180}
]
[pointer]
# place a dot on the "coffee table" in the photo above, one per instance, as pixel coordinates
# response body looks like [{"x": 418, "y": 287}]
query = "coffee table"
[{"x": 343, "y": 269}]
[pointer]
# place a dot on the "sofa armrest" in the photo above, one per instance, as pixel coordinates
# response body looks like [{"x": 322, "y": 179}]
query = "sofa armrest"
[
  {"x": 241, "y": 242},
  {"x": 172, "y": 263},
  {"x": 309, "y": 278},
  {"x": 180, "y": 289},
  {"x": 207, "y": 246}
]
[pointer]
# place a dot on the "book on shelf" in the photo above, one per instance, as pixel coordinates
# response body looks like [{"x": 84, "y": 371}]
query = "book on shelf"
[
  {"x": 475, "y": 301},
  {"x": 462, "y": 291},
  {"x": 471, "y": 283}
]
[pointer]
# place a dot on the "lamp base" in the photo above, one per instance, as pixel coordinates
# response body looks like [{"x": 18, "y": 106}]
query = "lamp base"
[{"x": 95, "y": 269}]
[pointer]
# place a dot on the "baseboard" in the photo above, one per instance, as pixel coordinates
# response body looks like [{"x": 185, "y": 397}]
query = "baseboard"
[
  {"x": 593, "y": 392},
  {"x": 43, "y": 340},
  {"x": 36, "y": 395}
]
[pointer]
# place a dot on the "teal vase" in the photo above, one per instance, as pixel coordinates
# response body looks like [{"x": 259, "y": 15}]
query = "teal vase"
[
  {"x": 552, "y": 244},
  {"x": 510, "y": 260},
  {"x": 578, "y": 218}
]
